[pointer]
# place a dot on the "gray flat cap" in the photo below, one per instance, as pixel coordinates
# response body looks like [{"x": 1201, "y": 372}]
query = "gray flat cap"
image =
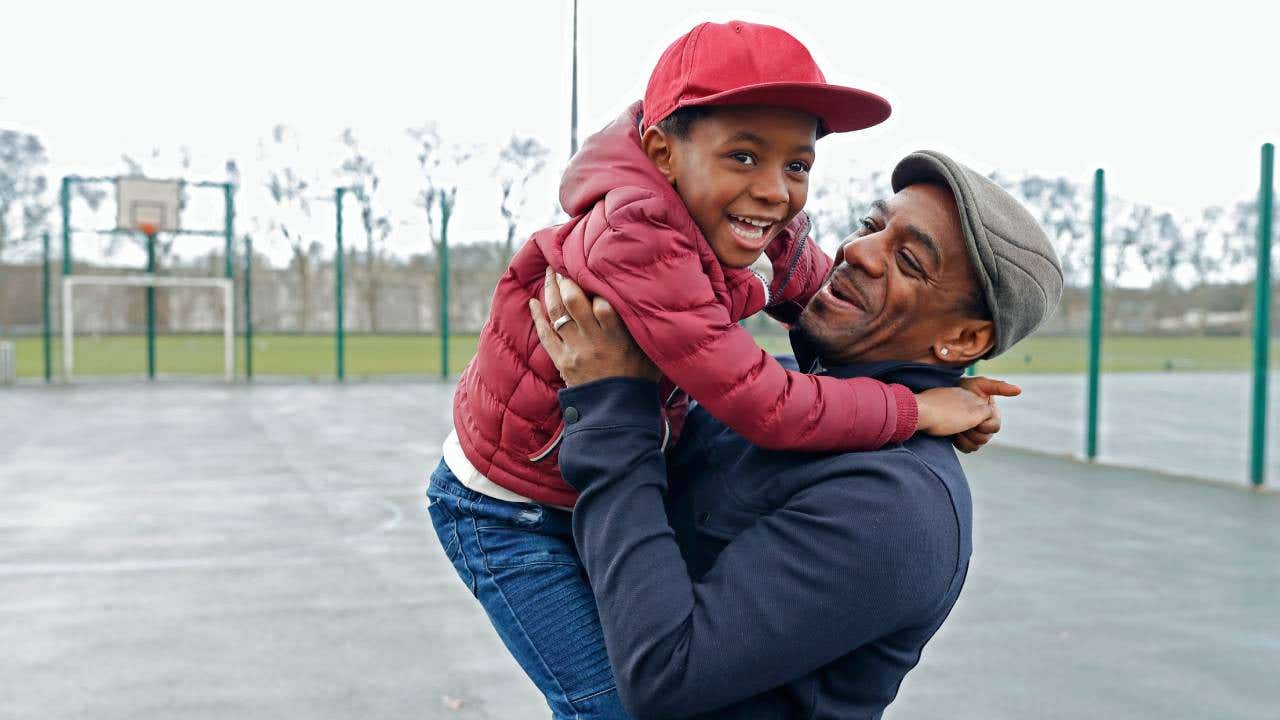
[{"x": 1017, "y": 267}]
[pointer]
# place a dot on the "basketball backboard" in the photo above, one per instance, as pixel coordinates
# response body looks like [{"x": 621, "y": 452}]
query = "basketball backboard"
[{"x": 145, "y": 203}]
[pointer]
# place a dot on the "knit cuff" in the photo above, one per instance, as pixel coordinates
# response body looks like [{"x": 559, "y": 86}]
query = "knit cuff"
[{"x": 908, "y": 413}]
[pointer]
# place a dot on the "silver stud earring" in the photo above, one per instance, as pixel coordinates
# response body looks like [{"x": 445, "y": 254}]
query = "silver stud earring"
[{"x": 944, "y": 352}]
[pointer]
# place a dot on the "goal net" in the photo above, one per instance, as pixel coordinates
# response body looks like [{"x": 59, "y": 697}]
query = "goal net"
[{"x": 72, "y": 282}]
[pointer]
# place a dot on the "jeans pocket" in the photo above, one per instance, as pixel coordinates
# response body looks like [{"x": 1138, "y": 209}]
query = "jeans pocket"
[{"x": 446, "y": 528}]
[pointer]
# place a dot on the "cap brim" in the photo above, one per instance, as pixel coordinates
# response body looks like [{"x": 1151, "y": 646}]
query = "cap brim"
[{"x": 838, "y": 108}]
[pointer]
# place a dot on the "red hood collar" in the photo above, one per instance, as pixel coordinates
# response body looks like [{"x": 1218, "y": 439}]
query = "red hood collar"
[{"x": 609, "y": 159}]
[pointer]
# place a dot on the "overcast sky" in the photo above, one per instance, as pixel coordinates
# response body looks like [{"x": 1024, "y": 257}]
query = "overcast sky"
[{"x": 1173, "y": 100}]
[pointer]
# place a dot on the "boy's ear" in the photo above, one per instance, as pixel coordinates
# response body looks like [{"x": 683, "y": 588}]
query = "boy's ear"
[{"x": 661, "y": 152}]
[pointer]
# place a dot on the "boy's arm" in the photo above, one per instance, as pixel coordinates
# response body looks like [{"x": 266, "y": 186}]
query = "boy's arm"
[{"x": 657, "y": 280}]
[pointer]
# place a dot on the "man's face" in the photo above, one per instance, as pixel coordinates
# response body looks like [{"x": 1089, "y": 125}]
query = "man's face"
[
  {"x": 743, "y": 173},
  {"x": 899, "y": 285}
]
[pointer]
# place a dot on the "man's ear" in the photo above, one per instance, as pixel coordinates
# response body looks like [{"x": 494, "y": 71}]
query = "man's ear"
[
  {"x": 661, "y": 151},
  {"x": 965, "y": 341}
]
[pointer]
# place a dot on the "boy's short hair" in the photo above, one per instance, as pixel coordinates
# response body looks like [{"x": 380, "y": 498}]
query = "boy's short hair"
[{"x": 679, "y": 124}]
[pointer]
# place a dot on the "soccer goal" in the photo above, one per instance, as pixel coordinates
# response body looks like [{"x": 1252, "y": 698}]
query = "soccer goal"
[{"x": 69, "y": 285}]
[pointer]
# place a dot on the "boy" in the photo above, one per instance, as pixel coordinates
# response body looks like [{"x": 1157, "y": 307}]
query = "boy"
[{"x": 670, "y": 209}]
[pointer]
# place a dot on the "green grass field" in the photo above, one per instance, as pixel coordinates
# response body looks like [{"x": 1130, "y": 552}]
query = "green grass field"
[{"x": 313, "y": 356}]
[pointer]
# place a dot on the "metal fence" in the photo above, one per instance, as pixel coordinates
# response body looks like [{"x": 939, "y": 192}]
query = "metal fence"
[{"x": 343, "y": 313}]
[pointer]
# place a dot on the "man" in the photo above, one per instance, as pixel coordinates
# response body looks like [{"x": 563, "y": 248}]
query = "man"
[{"x": 736, "y": 582}]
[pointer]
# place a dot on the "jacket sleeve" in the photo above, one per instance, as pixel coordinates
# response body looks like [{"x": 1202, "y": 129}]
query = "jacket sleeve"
[
  {"x": 839, "y": 565},
  {"x": 659, "y": 283}
]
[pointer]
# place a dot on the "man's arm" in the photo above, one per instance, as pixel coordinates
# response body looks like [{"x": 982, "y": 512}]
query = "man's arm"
[{"x": 839, "y": 565}]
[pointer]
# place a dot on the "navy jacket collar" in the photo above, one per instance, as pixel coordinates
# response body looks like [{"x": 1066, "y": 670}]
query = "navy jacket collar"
[{"x": 916, "y": 376}]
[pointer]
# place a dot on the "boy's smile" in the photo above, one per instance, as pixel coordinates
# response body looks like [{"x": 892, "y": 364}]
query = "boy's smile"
[{"x": 743, "y": 174}]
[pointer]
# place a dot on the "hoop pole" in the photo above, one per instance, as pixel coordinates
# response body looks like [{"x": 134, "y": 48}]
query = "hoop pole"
[
  {"x": 228, "y": 194},
  {"x": 340, "y": 339},
  {"x": 151, "y": 308},
  {"x": 46, "y": 311},
  {"x": 1262, "y": 321},
  {"x": 1095, "y": 318},
  {"x": 248, "y": 307},
  {"x": 64, "y": 199}
]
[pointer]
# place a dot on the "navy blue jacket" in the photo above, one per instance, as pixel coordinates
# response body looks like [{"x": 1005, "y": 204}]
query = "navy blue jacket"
[{"x": 738, "y": 582}]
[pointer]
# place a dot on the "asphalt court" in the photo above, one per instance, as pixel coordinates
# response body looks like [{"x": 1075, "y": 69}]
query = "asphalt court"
[{"x": 208, "y": 551}]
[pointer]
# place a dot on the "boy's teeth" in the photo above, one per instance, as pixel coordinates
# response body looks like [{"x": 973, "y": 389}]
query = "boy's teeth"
[
  {"x": 749, "y": 221},
  {"x": 749, "y": 234}
]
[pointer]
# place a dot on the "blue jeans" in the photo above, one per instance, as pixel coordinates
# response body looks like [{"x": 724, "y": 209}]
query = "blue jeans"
[{"x": 519, "y": 561}]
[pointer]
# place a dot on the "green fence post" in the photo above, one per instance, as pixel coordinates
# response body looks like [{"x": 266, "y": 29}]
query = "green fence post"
[
  {"x": 229, "y": 204},
  {"x": 48, "y": 314},
  {"x": 248, "y": 307},
  {"x": 64, "y": 199},
  {"x": 229, "y": 237},
  {"x": 1095, "y": 318},
  {"x": 151, "y": 308},
  {"x": 444, "y": 291},
  {"x": 339, "y": 336},
  {"x": 1262, "y": 321}
]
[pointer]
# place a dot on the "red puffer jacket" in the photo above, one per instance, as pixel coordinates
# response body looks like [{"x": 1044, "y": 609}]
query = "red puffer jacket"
[{"x": 631, "y": 241}]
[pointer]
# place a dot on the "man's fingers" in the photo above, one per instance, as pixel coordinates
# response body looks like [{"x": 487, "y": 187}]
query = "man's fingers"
[
  {"x": 990, "y": 386},
  {"x": 551, "y": 342},
  {"x": 551, "y": 299},
  {"x": 991, "y": 425},
  {"x": 603, "y": 311},
  {"x": 978, "y": 439},
  {"x": 575, "y": 303}
]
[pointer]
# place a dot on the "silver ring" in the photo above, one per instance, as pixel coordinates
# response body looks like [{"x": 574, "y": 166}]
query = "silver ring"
[{"x": 561, "y": 322}]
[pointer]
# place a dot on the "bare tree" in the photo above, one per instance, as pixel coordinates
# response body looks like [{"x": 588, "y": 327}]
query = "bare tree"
[
  {"x": 439, "y": 194},
  {"x": 518, "y": 162},
  {"x": 359, "y": 172},
  {"x": 24, "y": 207},
  {"x": 292, "y": 213}
]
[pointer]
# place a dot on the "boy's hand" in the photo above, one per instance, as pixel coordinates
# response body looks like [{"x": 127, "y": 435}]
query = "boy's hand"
[
  {"x": 970, "y": 407},
  {"x": 974, "y": 438}
]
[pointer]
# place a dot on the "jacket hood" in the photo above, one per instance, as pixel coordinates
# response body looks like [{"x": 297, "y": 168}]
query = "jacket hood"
[{"x": 609, "y": 159}]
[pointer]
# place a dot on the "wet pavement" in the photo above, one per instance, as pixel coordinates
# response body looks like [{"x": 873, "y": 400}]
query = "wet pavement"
[{"x": 207, "y": 551}]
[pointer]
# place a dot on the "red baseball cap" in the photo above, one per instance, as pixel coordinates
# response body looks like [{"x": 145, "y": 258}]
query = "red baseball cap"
[{"x": 742, "y": 63}]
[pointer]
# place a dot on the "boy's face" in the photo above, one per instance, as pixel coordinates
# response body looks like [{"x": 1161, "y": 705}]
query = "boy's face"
[{"x": 743, "y": 173}]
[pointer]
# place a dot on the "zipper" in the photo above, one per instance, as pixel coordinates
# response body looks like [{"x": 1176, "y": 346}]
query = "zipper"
[
  {"x": 795, "y": 261},
  {"x": 550, "y": 447}
]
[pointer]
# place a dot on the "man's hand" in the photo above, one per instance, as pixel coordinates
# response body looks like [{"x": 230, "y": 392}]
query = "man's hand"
[
  {"x": 585, "y": 338},
  {"x": 969, "y": 412}
]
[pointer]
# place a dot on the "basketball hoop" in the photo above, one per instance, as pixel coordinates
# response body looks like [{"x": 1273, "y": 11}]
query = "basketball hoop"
[{"x": 148, "y": 206}]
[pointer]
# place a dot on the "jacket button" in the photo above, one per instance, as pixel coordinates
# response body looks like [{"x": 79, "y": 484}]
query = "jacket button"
[{"x": 571, "y": 415}]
